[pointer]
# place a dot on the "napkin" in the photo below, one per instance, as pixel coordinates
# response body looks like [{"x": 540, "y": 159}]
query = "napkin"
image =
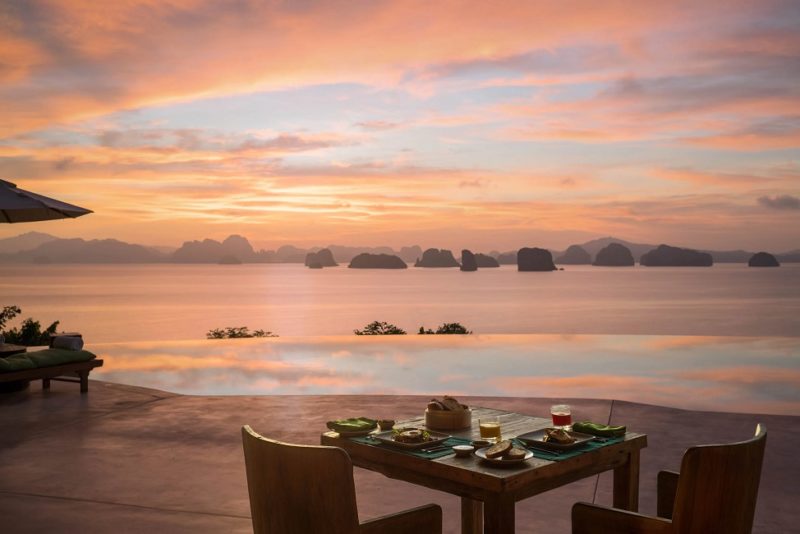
[
  {"x": 598, "y": 429},
  {"x": 354, "y": 424}
]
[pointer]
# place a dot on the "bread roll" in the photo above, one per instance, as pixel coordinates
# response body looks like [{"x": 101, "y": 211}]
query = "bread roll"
[
  {"x": 451, "y": 404},
  {"x": 515, "y": 454},
  {"x": 498, "y": 450}
]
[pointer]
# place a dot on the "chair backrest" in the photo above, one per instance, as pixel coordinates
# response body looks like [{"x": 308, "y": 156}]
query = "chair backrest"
[
  {"x": 718, "y": 486},
  {"x": 299, "y": 488}
]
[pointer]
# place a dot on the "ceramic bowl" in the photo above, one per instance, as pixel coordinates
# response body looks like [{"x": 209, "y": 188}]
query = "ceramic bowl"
[
  {"x": 481, "y": 443},
  {"x": 463, "y": 450}
]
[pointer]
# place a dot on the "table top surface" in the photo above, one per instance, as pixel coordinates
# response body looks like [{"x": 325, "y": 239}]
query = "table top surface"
[{"x": 474, "y": 475}]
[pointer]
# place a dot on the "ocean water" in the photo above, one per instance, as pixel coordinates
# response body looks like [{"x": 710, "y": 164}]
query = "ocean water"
[{"x": 122, "y": 303}]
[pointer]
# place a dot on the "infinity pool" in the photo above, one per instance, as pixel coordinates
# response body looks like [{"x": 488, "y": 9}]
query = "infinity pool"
[{"x": 737, "y": 374}]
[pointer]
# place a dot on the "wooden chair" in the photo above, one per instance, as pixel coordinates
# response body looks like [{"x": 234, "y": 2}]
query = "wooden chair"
[
  {"x": 303, "y": 489},
  {"x": 715, "y": 492}
]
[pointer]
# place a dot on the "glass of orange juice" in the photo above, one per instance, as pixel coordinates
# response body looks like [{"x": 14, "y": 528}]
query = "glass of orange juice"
[{"x": 490, "y": 428}]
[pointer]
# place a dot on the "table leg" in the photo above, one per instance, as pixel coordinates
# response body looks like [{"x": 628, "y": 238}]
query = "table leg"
[
  {"x": 471, "y": 516},
  {"x": 626, "y": 483},
  {"x": 498, "y": 517}
]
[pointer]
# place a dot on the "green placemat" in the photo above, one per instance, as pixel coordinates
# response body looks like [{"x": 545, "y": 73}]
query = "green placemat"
[
  {"x": 554, "y": 456},
  {"x": 450, "y": 442}
]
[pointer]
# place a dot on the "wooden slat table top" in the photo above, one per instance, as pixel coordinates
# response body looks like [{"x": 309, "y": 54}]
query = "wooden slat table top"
[{"x": 473, "y": 478}]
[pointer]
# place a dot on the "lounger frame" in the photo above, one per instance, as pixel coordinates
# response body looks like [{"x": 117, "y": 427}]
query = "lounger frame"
[{"x": 68, "y": 372}]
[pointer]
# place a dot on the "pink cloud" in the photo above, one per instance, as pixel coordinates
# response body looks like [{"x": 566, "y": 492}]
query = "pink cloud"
[{"x": 259, "y": 45}]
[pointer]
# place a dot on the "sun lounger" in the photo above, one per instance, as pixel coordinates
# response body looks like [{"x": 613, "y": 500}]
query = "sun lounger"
[{"x": 50, "y": 364}]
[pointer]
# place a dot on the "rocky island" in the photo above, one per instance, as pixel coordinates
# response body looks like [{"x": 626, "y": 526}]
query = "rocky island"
[
  {"x": 763, "y": 259},
  {"x": 574, "y": 255},
  {"x": 535, "y": 259},
  {"x": 614, "y": 255},
  {"x": 667, "y": 256},
  {"x": 377, "y": 261},
  {"x": 485, "y": 261},
  {"x": 433, "y": 257},
  {"x": 468, "y": 261},
  {"x": 320, "y": 259}
]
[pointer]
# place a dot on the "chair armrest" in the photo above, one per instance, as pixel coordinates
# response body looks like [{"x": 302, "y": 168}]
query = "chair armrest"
[
  {"x": 666, "y": 488},
  {"x": 593, "y": 519},
  {"x": 426, "y": 519}
]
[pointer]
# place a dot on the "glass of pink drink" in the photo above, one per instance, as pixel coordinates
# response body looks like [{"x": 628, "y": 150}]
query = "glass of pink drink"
[{"x": 562, "y": 416}]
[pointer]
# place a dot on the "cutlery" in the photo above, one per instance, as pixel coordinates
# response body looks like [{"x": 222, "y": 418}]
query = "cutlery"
[
  {"x": 543, "y": 449},
  {"x": 438, "y": 448}
]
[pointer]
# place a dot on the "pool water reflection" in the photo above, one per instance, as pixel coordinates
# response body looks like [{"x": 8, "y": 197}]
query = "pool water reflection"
[{"x": 737, "y": 374}]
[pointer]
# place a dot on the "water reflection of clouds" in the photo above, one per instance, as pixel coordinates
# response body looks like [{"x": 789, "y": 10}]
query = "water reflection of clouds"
[{"x": 733, "y": 374}]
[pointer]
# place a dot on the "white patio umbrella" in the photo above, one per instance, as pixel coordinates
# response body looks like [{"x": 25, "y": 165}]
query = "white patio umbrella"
[{"x": 18, "y": 205}]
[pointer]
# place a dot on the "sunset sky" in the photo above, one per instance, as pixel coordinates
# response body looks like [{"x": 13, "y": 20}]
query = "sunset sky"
[{"x": 488, "y": 125}]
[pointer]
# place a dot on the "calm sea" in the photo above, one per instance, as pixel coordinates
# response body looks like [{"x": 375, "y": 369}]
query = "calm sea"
[{"x": 121, "y": 303}]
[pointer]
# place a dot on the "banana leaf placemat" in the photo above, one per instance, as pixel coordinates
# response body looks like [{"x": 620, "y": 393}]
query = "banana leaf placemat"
[
  {"x": 449, "y": 443},
  {"x": 555, "y": 456}
]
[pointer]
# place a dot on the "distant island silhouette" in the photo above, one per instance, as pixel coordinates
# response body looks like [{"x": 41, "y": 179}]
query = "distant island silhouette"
[
  {"x": 535, "y": 259},
  {"x": 433, "y": 257},
  {"x": 575, "y": 255},
  {"x": 667, "y": 256},
  {"x": 377, "y": 261},
  {"x": 37, "y": 247},
  {"x": 614, "y": 255},
  {"x": 320, "y": 259},
  {"x": 468, "y": 261},
  {"x": 486, "y": 261},
  {"x": 763, "y": 259}
]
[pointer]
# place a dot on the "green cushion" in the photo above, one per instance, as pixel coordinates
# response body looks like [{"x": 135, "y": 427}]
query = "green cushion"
[
  {"x": 50, "y": 357},
  {"x": 16, "y": 362}
]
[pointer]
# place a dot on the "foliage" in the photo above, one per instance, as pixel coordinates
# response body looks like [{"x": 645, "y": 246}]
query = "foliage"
[
  {"x": 446, "y": 328},
  {"x": 29, "y": 333},
  {"x": 233, "y": 332},
  {"x": 8, "y": 313},
  {"x": 380, "y": 328}
]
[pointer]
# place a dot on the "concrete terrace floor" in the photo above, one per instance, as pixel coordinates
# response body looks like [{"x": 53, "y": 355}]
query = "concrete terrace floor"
[{"x": 128, "y": 459}]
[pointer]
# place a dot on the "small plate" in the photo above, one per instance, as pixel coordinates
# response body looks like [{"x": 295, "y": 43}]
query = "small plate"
[
  {"x": 481, "y": 453},
  {"x": 437, "y": 438},
  {"x": 534, "y": 439}
]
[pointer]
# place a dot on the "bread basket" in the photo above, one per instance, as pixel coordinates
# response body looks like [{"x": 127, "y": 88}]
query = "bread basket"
[{"x": 447, "y": 419}]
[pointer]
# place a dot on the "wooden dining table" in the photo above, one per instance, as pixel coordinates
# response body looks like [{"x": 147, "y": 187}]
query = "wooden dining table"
[{"x": 489, "y": 492}]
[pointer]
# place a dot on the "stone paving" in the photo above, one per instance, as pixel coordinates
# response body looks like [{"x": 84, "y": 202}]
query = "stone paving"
[{"x": 128, "y": 459}]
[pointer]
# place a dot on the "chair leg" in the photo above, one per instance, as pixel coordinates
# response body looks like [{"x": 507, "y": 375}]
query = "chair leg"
[
  {"x": 667, "y": 488},
  {"x": 84, "y": 381}
]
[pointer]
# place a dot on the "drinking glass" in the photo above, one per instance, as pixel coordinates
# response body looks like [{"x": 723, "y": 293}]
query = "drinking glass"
[
  {"x": 562, "y": 416},
  {"x": 490, "y": 428}
]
